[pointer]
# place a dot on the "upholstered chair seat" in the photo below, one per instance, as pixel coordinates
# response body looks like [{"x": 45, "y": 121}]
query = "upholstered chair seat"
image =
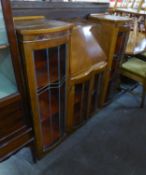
[{"x": 135, "y": 69}]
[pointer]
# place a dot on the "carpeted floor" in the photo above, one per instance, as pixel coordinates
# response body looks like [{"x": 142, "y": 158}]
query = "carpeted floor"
[{"x": 113, "y": 142}]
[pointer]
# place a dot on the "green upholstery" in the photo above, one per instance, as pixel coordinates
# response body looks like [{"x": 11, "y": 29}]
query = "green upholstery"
[
  {"x": 135, "y": 66},
  {"x": 144, "y": 54}
]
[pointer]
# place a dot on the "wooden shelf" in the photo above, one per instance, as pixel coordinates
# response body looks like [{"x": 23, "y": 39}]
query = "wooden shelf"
[
  {"x": 48, "y": 108},
  {"x": 7, "y": 88},
  {"x": 15, "y": 126},
  {"x": 43, "y": 79},
  {"x": 4, "y": 46}
]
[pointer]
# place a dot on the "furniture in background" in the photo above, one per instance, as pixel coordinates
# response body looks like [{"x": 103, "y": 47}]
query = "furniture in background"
[
  {"x": 135, "y": 69},
  {"x": 86, "y": 68},
  {"x": 112, "y": 35},
  {"x": 132, "y": 5},
  {"x": 15, "y": 129},
  {"x": 45, "y": 47},
  {"x": 137, "y": 38}
]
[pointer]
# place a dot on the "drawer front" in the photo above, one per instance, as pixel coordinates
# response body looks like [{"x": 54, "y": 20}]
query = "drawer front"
[
  {"x": 9, "y": 108},
  {"x": 12, "y": 118},
  {"x": 13, "y": 144}
]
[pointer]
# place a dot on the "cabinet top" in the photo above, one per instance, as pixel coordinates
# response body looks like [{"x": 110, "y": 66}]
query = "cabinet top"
[
  {"x": 109, "y": 18},
  {"x": 41, "y": 26}
]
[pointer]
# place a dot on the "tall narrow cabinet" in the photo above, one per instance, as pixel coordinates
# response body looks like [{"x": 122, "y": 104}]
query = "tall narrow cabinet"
[
  {"x": 112, "y": 34},
  {"x": 45, "y": 46},
  {"x": 15, "y": 131}
]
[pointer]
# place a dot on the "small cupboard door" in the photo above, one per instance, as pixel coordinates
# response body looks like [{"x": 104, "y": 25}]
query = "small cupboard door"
[
  {"x": 46, "y": 74},
  {"x": 49, "y": 73}
]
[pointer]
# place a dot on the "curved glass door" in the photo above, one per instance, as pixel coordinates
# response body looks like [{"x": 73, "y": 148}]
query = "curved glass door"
[{"x": 7, "y": 79}]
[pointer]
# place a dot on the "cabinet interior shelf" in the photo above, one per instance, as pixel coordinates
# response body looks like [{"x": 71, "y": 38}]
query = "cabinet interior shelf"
[
  {"x": 6, "y": 87},
  {"x": 47, "y": 111},
  {"x": 7, "y": 134},
  {"x": 43, "y": 79},
  {"x": 4, "y": 46}
]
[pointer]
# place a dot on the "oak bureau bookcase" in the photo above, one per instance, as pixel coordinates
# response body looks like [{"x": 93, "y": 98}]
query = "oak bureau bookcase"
[{"x": 86, "y": 68}]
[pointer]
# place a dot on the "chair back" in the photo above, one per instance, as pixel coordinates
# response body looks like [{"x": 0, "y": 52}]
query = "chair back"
[{"x": 137, "y": 38}]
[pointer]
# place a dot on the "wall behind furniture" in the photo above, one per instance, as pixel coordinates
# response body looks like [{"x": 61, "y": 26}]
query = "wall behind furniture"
[{"x": 57, "y": 9}]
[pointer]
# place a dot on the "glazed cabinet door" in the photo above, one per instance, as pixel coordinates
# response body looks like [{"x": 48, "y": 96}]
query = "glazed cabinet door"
[
  {"x": 46, "y": 76},
  {"x": 14, "y": 131},
  {"x": 49, "y": 73}
]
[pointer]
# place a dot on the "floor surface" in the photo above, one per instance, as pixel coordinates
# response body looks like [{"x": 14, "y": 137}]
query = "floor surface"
[{"x": 113, "y": 142}]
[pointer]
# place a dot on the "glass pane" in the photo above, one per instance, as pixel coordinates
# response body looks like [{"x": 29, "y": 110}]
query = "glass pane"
[
  {"x": 49, "y": 65},
  {"x": 7, "y": 78},
  {"x": 51, "y": 114},
  {"x": 62, "y": 52},
  {"x": 3, "y": 35},
  {"x": 41, "y": 67},
  {"x": 48, "y": 104},
  {"x": 81, "y": 103},
  {"x": 77, "y": 104},
  {"x": 96, "y": 93}
]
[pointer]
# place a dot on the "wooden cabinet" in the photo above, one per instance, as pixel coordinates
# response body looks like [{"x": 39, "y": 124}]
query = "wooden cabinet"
[
  {"x": 86, "y": 68},
  {"x": 112, "y": 34},
  {"x": 44, "y": 44},
  {"x": 14, "y": 129}
]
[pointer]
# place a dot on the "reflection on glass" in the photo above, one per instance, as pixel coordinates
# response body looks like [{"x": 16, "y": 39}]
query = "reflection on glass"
[
  {"x": 3, "y": 35},
  {"x": 7, "y": 79},
  {"x": 49, "y": 65},
  {"x": 81, "y": 102},
  {"x": 52, "y": 107}
]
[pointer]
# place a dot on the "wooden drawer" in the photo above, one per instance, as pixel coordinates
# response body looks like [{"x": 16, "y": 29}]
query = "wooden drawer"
[
  {"x": 12, "y": 118},
  {"x": 12, "y": 105},
  {"x": 15, "y": 142}
]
